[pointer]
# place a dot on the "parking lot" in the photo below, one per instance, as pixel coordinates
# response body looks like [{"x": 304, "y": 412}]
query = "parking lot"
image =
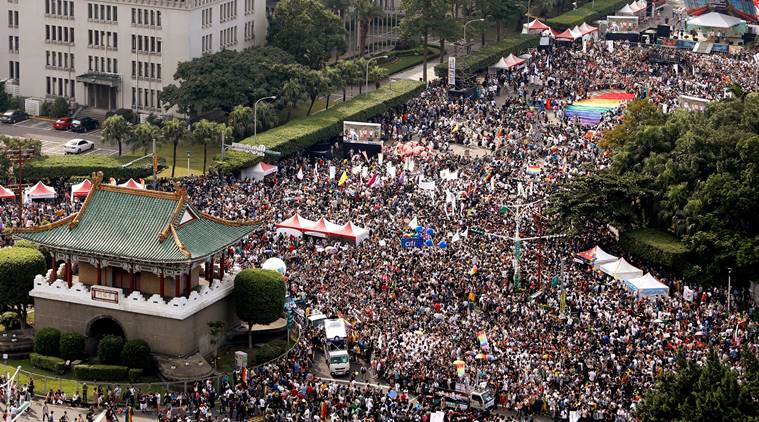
[{"x": 53, "y": 140}]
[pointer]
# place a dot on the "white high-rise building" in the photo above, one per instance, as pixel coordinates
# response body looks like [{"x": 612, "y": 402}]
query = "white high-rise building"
[{"x": 110, "y": 54}]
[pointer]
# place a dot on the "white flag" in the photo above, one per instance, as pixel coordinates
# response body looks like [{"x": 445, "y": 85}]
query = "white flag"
[
  {"x": 456, "y": 238},
  {"x": 379, "y": 158},
  {"x": 300, "y": 173},
  {"x": 391, "y": 170},
  {"x": 332, "y": 171},
  {"x": 466, "y": 233},
  {"x": 316, "y": 172},
  {"x": 364, "y": 172},
  {"x": 413, "y": 223}
]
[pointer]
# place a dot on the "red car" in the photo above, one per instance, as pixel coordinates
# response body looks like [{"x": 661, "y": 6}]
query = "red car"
[{"x": 64, "y": 123}]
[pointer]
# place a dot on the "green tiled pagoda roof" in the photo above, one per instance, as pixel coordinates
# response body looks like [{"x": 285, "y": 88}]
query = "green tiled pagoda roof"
[{"x": 139, "y": 225}]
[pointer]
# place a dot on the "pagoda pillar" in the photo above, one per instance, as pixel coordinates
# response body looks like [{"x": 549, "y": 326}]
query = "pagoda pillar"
[
  {"x": 68, "y": 272},
  {"x": 210, "y": 271},
  {"x": 163, "y": 284},
  {"x": 99, "y": 279},
  {"x": 177, "y": 283},
  {"x": 131, "y": 278},
  {"x": 54, "y": 268},
  {"x": 188, "y": 285},
  {"x": 221, "y": 267}
]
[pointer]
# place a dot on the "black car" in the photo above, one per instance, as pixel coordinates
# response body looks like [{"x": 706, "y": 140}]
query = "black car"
[
  {"x": 13, "y": 116},
  {"x": 85, "y": 124}
]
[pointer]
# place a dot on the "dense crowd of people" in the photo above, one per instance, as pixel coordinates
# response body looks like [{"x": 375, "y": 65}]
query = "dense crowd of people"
[{"x": 561, "y": 336}]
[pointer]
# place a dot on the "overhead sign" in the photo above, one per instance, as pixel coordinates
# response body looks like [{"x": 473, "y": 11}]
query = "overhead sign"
[
  {"x": 252, "y": 149},
  {"x": 452, "y": 70}
]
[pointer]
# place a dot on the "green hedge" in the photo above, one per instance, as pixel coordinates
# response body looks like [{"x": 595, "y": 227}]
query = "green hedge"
[
  {"x": 47, "y": 342},
  {"x": 490, "y": 54},
  {"x": 135, "y": 375},
  {"x": 72, "y": 346},
  {"x": 109, "y": 349},
  {"x": 101, "y": 372},
  {"x": 586, "y": 13},
  {"x": 84, "y": 165},
  {"x": 301, "y": 133},
  {"x": 51, "y": 363},
  {"x": 656, "y": 246},
  {"x": 136, "y": 354},
  {"x": 270, "y": 350}
]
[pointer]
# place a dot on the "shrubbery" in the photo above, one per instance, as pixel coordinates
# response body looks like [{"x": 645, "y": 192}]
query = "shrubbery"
[
  {"x": 589, "y": 12},
  {"x": 84, "y": 165},
  {"x": 101, "y": 372},
  {"x": 270, "y": 350},
  {"x": 109, "y": 349},
  {"x": 656, "y": 246},
  {"x": 135, "y": 375},
  {"x": 72, "y": 346},
  {"x": 51, "y": 363},
  {"x": 136, "y": 354},
  {"x": 10, "y": 320},
  {"x": 47, "y": 342}
]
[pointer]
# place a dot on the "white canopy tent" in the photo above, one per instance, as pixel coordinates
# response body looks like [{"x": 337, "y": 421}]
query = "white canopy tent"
[
  {"x": 621, "y": 270},
  {"x": 602, "y": 257},
  {"x": 500, "y": 65},
  {"x": 626, "y": 11},
  {"x": 647, "y": 286}
]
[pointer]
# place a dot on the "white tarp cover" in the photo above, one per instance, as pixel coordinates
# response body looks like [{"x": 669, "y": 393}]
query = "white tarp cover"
[
  {"x": 40, "y": 191},
  {"x": 603, "y": 257},
  {"x": 259, "y": 171},
  {"x": 647, "y": 286},
  {"x": 715, "y": 20},
  {"x": 621, "y": 270},
  {"x": 500, "y": 64}
]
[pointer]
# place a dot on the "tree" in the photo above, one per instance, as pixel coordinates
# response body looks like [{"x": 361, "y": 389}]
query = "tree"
[
  {"x": 116, "y": 130},
  {"x": 501, "y": 11},
  {"x": 292, "y": 93},
  {"x": 445, "y": 29},
  {"x": 365, "y": 11},
  {"x": 223, "y": 80},
  {"x": 5, "y": 98},
  {"x": 335, "y": 81},
  {"x": 59, "y": 108},
  {"x": 205, "y": 132},
  {"x": 349, "y": 73},
  {"x": 420, "y": 21},
  {"x": 174, "y": 131},
  {"x": 314, "y": 84},
  {"x": 18, "y": 268},
  {"x": 267, "y": 116},
  {"x": 703, "y": 393},
  {"x": 259, "y": 297},
  {"x": 307, "y": 30},
  {"x": 143, "y": 136},
  {"x": 241, "y": 121}
]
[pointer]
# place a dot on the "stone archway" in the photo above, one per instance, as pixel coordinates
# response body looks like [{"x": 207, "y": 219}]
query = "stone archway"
[{"x": 99, "y": 327}]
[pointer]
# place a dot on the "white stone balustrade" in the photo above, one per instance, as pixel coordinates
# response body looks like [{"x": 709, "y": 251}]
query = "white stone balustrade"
[{"x": 177, "y": 308}]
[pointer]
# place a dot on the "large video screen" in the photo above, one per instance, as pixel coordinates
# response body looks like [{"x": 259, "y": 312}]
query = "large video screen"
[
  {"x": 622, "y": 24},
  {"x": 362, "y": 133}
]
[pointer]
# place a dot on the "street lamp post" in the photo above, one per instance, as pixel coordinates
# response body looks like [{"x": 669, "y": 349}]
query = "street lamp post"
[
  {"x": 473, "y": 20},
  {"x": 255, "y": 113},
  {"x": 188, "y": 163},
  {"x": 367, "y": 70}
]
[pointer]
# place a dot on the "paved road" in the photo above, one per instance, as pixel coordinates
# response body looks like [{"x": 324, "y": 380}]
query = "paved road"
[{"x": 53, "y": 140}]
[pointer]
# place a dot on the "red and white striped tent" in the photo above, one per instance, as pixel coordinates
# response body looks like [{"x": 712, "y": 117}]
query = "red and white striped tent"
[
  {"x": 6, "y": 193},
  {"x": 259, "y": 171},
  {"x": 321, "y": 228},
  {"x": 80, "y": 190},
  {"x": 565, "y": 36},
  {"x": 40, "y": 191},
  {"x": 131, "y": 184},
  {"x": 587, "y": 29},
  {"x": 352, "y": 232},
  {"x": 294, "y": 226},
  {"x": 513, "y": 61}
]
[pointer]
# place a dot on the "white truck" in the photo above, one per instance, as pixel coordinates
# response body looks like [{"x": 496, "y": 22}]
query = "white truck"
[{"x": 336, "y": 346}]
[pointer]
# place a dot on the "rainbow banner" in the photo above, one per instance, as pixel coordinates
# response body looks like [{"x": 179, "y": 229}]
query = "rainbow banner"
[
  {"x": 534, "y": 170},
  {"x": 459, "y": 365},
  {"x": 591, "y": 110},
  {"x": 483, "y": 339}
]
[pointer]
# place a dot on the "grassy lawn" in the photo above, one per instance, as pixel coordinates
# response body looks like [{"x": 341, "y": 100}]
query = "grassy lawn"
[{"x": 45, "y": 380}]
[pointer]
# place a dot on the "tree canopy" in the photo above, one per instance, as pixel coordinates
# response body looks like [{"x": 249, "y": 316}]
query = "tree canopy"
[
  {"x": 692, "y": 174},
  {"x": 711, "y": 392},
  {"x": 259, "y": 297},
  {"x": 18, "y": 267},
  {"x": 226, "y": 79},
  {"x": 307, "y": 30}
]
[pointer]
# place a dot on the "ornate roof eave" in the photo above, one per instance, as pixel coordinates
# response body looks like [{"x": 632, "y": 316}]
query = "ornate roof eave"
[
  {"x": 45, "y": 227},
  {"x": 178, "y": 242}
]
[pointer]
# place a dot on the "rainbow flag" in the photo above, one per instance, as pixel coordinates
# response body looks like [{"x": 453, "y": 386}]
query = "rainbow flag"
[
  {"x": 244, "y": 375},
  {"x": 590, "y": 111},
  {"x": 129, "y": 417},
  {"x": 483, "y": 339},
  {"x": 534, "y": 170},
  {"x": 459, "y": 365}
]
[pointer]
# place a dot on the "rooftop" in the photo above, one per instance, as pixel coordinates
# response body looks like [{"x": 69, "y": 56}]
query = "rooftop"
[{"x": 139, "y": 225}]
